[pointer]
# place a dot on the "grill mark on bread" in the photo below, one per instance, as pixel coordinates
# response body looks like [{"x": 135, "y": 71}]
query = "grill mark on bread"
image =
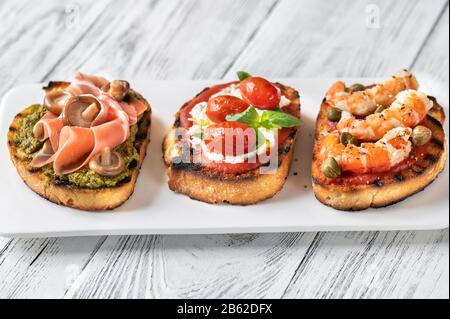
[
  {"x": 285, "y": 149},
  {"x": 178, "y": 164},
  {"x": 184, "y": 105},
  {"x": 203, "y": 91},
  {"x": 438, "y": 143},
  {"x": 34, "y": 170},
  {"x": 431, "y": 158},
  {"x": 378, "y": 183},
  {"x": 316, "y": 181},
  {"x": 418, "y": 170},
  {"x": 141, "y": 136},
  {"x": 53, "y": 84},
  {"x": 434, "y": 121}
]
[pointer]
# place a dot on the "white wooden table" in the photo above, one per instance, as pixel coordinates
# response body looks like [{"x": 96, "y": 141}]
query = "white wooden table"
[{"x": 176, "y": 39}]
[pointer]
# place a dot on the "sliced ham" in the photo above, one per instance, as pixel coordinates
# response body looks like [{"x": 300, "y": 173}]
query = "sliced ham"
[
  {"x": 131, "y": 112},
  {"x": 52, "y": 125},
  {"x": 140, "y": 106},
  {"x": 42, "y": 158},
  {"x": 75, "y": 146}
]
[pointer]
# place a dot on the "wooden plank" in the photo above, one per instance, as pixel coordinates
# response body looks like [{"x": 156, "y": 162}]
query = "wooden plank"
[
  {"x": 432, "y": 61},
  {"x": 43, "y": 268},
  {"x": 35, "y": 36},
  {"x": 166, "y": 39},
  {"x": 375, "y": 265},
  {"x": 308, "y": 38},
  {"x": 227, "y": 266}
]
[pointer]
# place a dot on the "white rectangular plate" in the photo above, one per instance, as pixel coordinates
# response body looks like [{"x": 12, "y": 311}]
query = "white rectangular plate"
[{"x": 154, "y": 209}]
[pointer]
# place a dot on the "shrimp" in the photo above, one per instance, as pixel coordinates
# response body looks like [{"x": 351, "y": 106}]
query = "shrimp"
[
  {"x": 377, "y": 157},
  {"x": 408, "y": 110},
  {"x": 362, "y": 103}
]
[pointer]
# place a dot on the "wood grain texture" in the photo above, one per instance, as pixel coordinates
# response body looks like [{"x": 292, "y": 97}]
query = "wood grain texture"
[
  {"x": 35, "y": 37},
  {"x": 166, "y": 39},
  {"x": 227, "y": 266},
  {"x": 374, "y": 265},
  {"x": 201, "y": 39},
  {"x": 43, "y": 268},
  {"x": 308, "y": 38},
  {"x": 432, "y": 61}
]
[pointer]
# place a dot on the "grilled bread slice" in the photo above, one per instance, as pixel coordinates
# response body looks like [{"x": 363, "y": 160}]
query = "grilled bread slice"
[
  {"x": 206, "y": 185},
  {"x": 389, "y": 188},
  {"x": 67, "y": 194}
]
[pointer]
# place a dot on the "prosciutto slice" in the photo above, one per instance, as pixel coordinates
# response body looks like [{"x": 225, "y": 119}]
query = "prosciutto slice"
[
  {"x": 73, "y": 146},
  {"x": 51, "y": 125}
]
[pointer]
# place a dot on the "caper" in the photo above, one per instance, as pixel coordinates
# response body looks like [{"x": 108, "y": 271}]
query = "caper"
[
  {"x": 347, "y": 138},
  {"x": 357, "y": 87},
  {"x": 334, "y": 114},
  {"x": 354, "y": 141},
  {"x": 421, "y": 135},
  {"x": 380, "y": 109},
  {"x": 330, "y": 168}
]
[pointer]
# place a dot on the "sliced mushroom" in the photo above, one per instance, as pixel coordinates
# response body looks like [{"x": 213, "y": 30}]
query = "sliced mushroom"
[
  {"x": 81, "y": 110},
  {"x": 38, "y": 131},
  {"x": 107, "y": 163},
  {"x": 56, "y": 99},
  {"x": 118, "y": 89}
]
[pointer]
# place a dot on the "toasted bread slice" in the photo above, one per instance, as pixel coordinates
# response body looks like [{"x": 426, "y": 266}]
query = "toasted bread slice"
[
  {"x": 66, "y": 194},
  {"x": 389, "y": 188},
  {"x": 208, "y": 186}
]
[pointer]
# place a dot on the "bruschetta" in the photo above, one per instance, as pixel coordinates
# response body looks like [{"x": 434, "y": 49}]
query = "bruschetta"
[
  {"x": 233, "y": 143},
  {"x": 84, "y": 145},
  {"x": 377, "y": 145}
]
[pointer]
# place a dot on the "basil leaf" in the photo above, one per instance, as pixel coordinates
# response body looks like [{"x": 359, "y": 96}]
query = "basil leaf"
[
  {"x": 242, "y": 75},
  {"x": 264, "y": 121},
  {"x": 268, "y": 119},
  {"x": 198, "y": 135},
  {"x": 249, "y": 117},
  {"x": 273, "y": 119}
]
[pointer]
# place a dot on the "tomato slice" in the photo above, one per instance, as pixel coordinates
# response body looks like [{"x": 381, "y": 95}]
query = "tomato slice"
[
  {"x": 202, "y": 97},
  {"x": 219, "y": 107},
  {"x": 260, "y": 93},
  {"x": 230, "y": 138}
]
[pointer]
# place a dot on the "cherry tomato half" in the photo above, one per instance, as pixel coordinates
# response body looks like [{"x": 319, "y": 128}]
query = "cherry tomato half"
[
  {"x": 230, "y": 138},
  {"x": 260, "y": 93},
  {"x": 219, "y": 107}
]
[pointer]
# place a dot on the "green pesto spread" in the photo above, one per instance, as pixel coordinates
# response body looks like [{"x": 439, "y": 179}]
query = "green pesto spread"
[
  {"x": 85, "y": 178},
  {"x": 24, "y": 138}
]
